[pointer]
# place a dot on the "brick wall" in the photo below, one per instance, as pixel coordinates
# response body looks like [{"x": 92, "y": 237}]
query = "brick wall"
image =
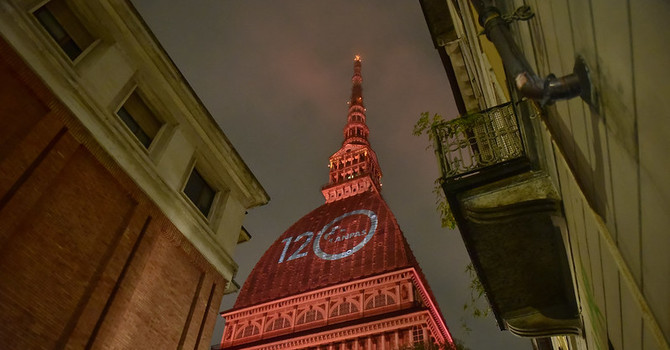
[{"x": 86, "y": 259}]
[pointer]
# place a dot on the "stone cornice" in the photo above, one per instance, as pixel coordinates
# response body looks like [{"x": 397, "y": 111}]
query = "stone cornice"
[
  {"x": 259, "y": 314},
  {"x": 347, "y": 333},
  {"x": 288, "y": 302},
  {"x": 439, "y": 326}
]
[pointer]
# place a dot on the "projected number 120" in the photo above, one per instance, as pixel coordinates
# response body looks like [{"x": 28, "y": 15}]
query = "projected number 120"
[
  {"x": 297, "y": 254},
  {"x": 330, "y": 233}
]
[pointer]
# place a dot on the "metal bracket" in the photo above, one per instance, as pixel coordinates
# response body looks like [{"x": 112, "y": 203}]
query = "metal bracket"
[{"x": 587, "y": 91}]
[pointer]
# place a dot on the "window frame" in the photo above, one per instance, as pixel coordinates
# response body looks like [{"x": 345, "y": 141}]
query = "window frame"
[
  {"x": 138, "y": 93},
  {"x": 242, "y": 332},
  {"x": 84, "y": 41},
  {"x": 353, "y": 309},
  {"x": 417, "y": 334},
  {"x": 285, "y": 320},
  {"x": 215, "y": 217},
  {"x": 372, "y": 300},
  {"x": 216, "y": 192},
  {"x": 320, "y": 315}
]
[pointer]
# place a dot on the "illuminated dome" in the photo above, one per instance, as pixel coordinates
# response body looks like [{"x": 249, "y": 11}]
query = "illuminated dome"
[
  {"x": 343, "y": 276},
  {"x": 337, "y": 242}
]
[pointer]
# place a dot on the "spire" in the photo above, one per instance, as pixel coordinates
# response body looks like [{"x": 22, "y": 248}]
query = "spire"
[
  {"x": 354, "y": 168},
  {"x": 356, "y": 131}
]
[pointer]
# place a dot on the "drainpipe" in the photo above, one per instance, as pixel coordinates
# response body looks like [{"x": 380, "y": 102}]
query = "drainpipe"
[{"x": 530, "y": 85}]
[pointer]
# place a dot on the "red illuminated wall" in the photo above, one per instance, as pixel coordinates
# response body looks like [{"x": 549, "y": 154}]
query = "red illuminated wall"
[{"x": 86, "y": 259}]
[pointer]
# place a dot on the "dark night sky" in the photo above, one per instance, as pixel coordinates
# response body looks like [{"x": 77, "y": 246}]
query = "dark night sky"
[{"x": 276, "y": 75}]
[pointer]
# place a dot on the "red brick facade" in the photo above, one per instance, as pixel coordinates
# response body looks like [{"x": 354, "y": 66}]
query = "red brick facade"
[{"x": 87, "y": 260}]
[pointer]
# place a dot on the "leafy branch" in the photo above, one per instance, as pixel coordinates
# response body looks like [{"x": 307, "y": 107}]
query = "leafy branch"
[
  {"x": 425, "y": 125},
  {"x": 476, "y": 294},
  {"x": 430, "y": 125},
  {"x": 446, "y": 215}
]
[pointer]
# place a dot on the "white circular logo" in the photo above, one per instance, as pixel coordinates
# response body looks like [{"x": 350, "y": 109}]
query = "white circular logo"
[{"x": 325, "y": 233}]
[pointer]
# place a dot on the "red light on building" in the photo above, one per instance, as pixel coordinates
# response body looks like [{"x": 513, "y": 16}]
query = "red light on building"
[{"x": 343, "y": 276}]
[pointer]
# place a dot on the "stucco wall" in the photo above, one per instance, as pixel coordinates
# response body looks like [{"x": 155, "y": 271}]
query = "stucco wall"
[{"x": 616, "y": 203}]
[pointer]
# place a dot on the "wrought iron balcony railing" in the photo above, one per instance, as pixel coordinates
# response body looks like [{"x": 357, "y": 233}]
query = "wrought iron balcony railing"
[{"x": 470, "y": 144}]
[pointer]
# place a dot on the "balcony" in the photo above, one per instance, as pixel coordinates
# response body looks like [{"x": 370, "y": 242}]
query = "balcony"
[
  {"x": 475, "y": 148},
  {"x": 507, "y": 210}
]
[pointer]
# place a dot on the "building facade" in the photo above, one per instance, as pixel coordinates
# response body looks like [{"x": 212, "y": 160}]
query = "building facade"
[
  {"x": 121, "y": 200},
  {"x": 343, "y": 276},
  {"x": 583, "y": 152}
]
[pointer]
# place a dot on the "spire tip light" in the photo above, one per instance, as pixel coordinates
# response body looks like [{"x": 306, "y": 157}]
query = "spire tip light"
[{"x": 357, "y": 58}]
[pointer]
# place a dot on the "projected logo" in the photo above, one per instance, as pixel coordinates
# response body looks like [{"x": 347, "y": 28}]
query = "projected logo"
[{"x": 340, "y": 238}]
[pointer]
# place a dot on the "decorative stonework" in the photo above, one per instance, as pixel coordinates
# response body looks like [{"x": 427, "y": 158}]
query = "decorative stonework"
[
  {"x": 363, "y": 297},
  {"x": 359, "y": 333},
  {"x": 393, "y": 278}
]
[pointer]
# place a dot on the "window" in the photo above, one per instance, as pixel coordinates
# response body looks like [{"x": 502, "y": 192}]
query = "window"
[
  {"x": 343, "y": 309},
  {"x": 278, "y": 323},
  {"x": 309, "y": 316},
  {"x": 199, "y": 192},
  {"x": 417, "y": 334},
  {"x": 139, "y": 119},
  {"x": 380, "y": 300},
  {"x": 247, "y": 331},
  {"x": 64, "y": 27}
]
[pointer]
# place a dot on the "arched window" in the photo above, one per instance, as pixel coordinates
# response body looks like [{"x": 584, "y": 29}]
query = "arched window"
[
  {"x": 343, "y": 309},
  {"x": 248, "y": 331},
  {"x": 309, "y": 316},
  {"x": 278, "y": 323},
  {"x": 379, "y": 301}
]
